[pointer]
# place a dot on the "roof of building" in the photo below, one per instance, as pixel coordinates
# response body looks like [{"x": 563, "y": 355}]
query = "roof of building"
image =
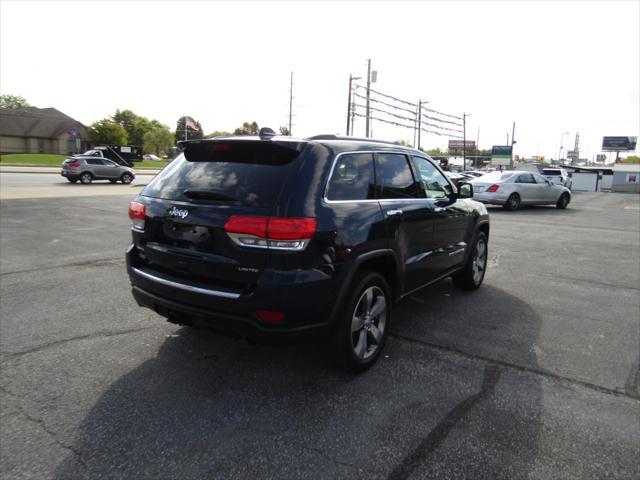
[
  {"x": 35, "y": 122},
  {"x": 627, "y": 167}
]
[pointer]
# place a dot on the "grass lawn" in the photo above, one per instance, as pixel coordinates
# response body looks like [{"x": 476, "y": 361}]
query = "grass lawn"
[{"x": 45, "y": 159}]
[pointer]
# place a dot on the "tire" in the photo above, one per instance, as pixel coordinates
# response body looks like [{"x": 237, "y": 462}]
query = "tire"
[
  {"x": 356, "y": 346},
  {"x": 472, "y": 275},
  {"x": 86, "y": 178},
  {"x": 563, "y": 201},
  {"x": 72, "y": 180},
  {"x": 126, "y": 178},
  {"x": 513, "y": 202}
]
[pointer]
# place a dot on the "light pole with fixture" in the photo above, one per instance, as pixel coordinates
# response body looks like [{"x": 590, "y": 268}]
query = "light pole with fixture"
[
  {"x": 561, "y": 140},
  {"x": 372, "y": 76}
]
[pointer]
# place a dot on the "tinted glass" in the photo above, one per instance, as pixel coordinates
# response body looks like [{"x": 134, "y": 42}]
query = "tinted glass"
[
  {"x": 394, "y": 176},
  {"x": 433, "y": 182},
  {"x": 252, "y": 174},
  {"x": 93, "y": 161},
  {"x": 551, "y": 171},
  {"x": 353, "y": 178},
  {"x": 527, "y": 178},
  {"x": 540, "y": 179},
  {"x": 108, "y": 163}
]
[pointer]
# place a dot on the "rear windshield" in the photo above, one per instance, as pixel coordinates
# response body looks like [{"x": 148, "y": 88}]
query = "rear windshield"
[
  {"x": 496, "y": 176},
  {"x": 549, "y": 171},
  {"x": 251, "y": 173}
]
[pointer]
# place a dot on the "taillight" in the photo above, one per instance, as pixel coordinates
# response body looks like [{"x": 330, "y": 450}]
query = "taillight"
[
  {"x": 270, "y": 316},
  {"x": 271, "y": 232},
  {"x": 137, "y": 213},
  {"x": 73, "y": 165},
  {"x": 493, "y": 188}
]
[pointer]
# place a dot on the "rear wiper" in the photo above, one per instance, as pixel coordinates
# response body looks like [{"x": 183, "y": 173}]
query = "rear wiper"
[{"x": 208, "y": 195}]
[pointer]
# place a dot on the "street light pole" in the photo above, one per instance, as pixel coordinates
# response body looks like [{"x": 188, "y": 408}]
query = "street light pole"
[{"x": 561, "y": 140}]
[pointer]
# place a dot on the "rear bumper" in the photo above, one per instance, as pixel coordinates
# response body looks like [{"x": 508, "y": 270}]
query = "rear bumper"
[{"x": 306, "y": 299}]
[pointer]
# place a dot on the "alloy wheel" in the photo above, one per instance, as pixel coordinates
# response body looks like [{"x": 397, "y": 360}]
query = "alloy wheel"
[{"x": 368, "y": 322}]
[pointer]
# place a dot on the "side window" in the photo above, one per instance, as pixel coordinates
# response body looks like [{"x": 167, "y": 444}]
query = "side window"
[
  {"x": 108, "y": 163},
  {"x": 526, "y": 178},
  {"x": 93, "y": 161},
  {"x": 540, "y": 179},
  {"x": 395, "y": 177},
  {"x": 433, "y": 182},
  {"x": 352, "y": 178}
]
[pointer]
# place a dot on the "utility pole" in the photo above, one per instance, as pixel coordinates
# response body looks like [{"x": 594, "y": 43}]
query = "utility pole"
[
  {"x": 349, "y": 104},
  {"x": 290, "y": 102},
  {"x": 464, "y": 140},
  {"x": 368, "y": 97},
  {"x": 475, "y": 164},
  {"x": 419, "y": 120},
  {"x": 513, "y": 136}
]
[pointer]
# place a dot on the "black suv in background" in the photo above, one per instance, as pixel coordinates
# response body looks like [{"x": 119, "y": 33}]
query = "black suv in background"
[{"x": 275, "y": 237}]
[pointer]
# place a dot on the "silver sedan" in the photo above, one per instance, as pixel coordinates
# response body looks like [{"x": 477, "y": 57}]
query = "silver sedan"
[{"x": 515, "y": 188}]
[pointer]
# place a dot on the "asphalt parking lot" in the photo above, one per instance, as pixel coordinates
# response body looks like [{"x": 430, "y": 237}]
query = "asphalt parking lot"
[{"x": 535, "y": 375}]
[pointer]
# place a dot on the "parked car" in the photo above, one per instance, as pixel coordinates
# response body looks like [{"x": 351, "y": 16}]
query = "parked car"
[
  {"x": 513, "y": 189},
  {"x": 559, "y": 176},
  {"x": 273, "y": 237},
  {"x": 87, "y": 169},
  {"x": 149, "y": 156},
  {"x": 456, "y": 177}
]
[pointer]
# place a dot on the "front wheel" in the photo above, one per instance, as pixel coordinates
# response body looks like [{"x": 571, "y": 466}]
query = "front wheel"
[
  {"x": 126, "y": 178},
  {"x": 513, "y": 202},
  {"x": 363, "y": 326},
  {"x": 472, "y": 275},
  {"x": 563, "y": 201}
]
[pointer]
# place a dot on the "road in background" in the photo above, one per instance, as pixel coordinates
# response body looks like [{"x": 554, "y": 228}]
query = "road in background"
[{"x": 535, "y": 375}]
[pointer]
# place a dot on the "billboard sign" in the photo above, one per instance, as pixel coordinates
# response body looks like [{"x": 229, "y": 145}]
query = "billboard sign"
[
  {"x": 573, "y": 154},
  {"x": 619, "y": 144},
  {"x": 601, "y": 157},
  {"x": 460, "y": 144},
  {"x": 501, "y": 154}
]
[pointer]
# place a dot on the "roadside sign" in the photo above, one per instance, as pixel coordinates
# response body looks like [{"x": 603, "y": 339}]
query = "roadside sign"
[
  {"x": 460, "y": 144},
  {"x": 501, "y": 154},
  {"x": 619, "y": 144}
]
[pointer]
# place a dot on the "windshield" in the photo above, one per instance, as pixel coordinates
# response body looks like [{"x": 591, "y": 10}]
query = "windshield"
[{"x": 496, "y": 176}]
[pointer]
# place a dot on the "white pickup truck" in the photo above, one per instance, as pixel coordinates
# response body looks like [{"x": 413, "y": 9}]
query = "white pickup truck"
[{"x": 559, "y": 176}]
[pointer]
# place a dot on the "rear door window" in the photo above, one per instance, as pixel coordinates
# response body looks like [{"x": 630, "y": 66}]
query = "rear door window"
[
  {"x": 395, "y": 177},
  {"x": 353, "y": 178},
  {"x": 93, "y": 161},
  {"x": 250, "y": 173},
  {"x": 525, "y": 178}
]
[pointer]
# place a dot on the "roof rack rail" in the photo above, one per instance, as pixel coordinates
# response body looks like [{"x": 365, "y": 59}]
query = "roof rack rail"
[{"x": 345, "y": 137}]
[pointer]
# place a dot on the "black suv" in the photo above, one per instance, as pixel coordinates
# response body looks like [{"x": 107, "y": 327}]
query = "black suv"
[{"x": 275, "y": 237}]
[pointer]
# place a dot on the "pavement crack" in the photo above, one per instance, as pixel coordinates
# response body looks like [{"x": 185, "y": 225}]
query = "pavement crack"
[
  {"x": 43, "y": 426},
  {"x": 440, "y": 432},
  {"x": 627, "y": 393},
  {"x": 56, "y": 343},
  {"x": 101, "y": 262}
]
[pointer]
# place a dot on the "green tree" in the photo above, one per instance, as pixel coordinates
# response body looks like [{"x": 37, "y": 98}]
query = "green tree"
[
  {"x": 404, "y": 143},
  {"x": 285, "y": 131},
  {"x": 13, "y": 101},
  {"x": 188, "y": 125},
  {"x": 247, "y": 129},
  {"x": 630, "y": 159},
  {"x": 435, "y": 152},
  {"x": 158, "y": 139},
  {"x": 135, "y": 125},
  {"x": 107, "y": 132},
  {"x": 217, "y": 134}
]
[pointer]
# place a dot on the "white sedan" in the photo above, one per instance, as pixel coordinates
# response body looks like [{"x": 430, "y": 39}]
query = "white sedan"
[{"x": 511, "y": 189}]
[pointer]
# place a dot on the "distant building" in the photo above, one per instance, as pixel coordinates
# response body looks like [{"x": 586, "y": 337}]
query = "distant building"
[
  {"x": 40, "y": 130},
  {"x": 626, "y": 177}
]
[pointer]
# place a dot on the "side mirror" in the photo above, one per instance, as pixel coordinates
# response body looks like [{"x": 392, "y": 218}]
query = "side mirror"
[{"x": 465, "y": 190}]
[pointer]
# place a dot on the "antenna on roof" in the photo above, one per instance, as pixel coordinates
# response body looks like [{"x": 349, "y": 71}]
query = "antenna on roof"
[{"x": 266, "y": 132}]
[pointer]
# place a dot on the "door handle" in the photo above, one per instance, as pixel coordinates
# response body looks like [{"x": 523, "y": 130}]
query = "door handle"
[{"x": 393, "y": 213}]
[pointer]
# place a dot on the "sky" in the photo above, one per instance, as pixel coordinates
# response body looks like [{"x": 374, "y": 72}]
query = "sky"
[{"x": 551, "y": 67}]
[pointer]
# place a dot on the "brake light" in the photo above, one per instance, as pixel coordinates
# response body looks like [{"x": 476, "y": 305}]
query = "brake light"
[
  {"x": 137, "y": 214},
  {"x": 271, "y": 232},
  {"x": 73, "y": 165},
  {"x": 270, "y": 316},
  {"x": 493, "y": 188}
]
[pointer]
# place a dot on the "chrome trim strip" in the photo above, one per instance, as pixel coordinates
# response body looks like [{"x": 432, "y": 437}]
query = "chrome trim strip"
[
  {"x": 417, "y": 258},
  {"x": 182, "y": 286}
]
